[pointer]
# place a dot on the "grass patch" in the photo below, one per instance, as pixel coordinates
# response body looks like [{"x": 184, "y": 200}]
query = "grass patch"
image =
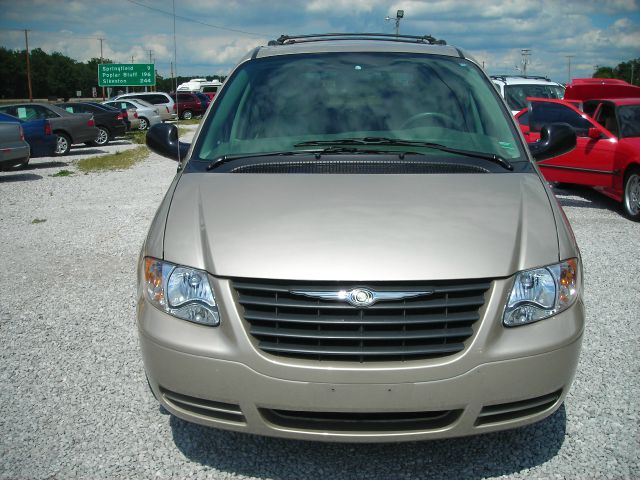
[
  {"x": 193, "y": 121},
  {"x": 137, "y": 136},
  {"x": 62, "y": 173},
  {"x": 38, "y": 220},
  {"x": 116, "y": 161},
  {"x": 183, "y": 131}
]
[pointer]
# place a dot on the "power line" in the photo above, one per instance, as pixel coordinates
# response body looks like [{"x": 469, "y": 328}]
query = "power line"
[{"x": 198, "y": 21}]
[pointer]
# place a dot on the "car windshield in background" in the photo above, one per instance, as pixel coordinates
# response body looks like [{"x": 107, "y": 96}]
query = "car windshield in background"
[
  {"x": 629, "y": 121},
  {"x": 516, "y": 95},
  {"x": 272, "y": 104}
]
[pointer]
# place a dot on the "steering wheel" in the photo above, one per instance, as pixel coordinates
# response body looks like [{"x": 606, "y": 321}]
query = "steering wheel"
[{"x": 441, "y": 118}]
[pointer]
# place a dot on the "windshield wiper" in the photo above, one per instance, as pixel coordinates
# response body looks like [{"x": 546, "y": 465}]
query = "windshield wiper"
[
  {"x": 315, "y": 151},
  {"x": 392, "y": 142}
]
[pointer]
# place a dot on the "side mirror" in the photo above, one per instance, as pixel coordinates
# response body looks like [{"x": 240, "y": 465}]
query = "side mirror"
[
  {"x": 555, "y": 140},
  {"x": 162, "y": 139},
  {"x": 594, "y": 133}
]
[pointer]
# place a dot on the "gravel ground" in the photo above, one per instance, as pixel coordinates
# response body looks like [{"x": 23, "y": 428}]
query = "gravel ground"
[{"x": 74, "y": 402}]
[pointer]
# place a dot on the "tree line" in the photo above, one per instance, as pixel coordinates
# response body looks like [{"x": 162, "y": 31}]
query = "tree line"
[
  {"x": 56, "y": 75},
  {"x": 627, "y": 71}
]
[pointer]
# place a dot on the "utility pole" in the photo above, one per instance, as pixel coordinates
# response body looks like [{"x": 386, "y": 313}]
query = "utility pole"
[
  {"x": 101, "y": 39},
  {"x": 150, "y": 52},
  {"x": 526, "y": 60},
  {"x": 26, "y": 41},
  {"x": 175, "y": 55},
  {"x": 569, "y": 57}
]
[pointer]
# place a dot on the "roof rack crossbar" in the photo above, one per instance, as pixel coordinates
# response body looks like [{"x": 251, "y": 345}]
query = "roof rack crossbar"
[
  {"x": 323, "y": 37},
  {"x": 503, "y": 77}
]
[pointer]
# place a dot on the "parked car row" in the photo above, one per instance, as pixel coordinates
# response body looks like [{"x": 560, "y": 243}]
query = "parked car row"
[
  {"x": 184, "y": 105},
  {"x": 52, "y": 129},
  {"x": 109, "y": 122},
  {"x": 69, "y": 128},
  {"x": 607, "y": 125}
]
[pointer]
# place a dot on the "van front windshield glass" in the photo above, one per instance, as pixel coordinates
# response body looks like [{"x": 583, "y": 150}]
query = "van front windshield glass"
[{"x": 272, "y": 104}]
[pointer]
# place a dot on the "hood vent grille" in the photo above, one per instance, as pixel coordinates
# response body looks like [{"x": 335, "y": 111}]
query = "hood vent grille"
[
  {"x": 351, "y": 167},
  {"x": 434, "y": 324}
]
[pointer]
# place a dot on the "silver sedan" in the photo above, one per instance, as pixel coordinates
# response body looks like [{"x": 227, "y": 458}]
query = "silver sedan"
[{"x": 147, "y": 114}]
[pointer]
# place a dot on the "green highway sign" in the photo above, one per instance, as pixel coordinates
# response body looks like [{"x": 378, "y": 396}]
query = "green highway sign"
[{"x": 126, "y": 74}]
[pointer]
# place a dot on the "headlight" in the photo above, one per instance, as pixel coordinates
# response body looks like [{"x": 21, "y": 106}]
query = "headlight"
[
  {"x": 180, "y": 291},
  {"x": 542, "y": 292}
]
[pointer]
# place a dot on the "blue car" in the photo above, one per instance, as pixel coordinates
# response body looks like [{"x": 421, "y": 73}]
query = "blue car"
[{"x": 37, "y": 133}]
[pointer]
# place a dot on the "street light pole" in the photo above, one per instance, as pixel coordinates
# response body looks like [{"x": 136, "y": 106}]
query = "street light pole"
[{"x": 399, "y": 16}]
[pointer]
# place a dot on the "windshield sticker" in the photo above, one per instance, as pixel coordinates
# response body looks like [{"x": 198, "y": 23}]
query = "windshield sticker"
[
  {"x": 506, "y": 145},
  {"x": 22, "y": 112},
  {"x": 69, "y": 109}
]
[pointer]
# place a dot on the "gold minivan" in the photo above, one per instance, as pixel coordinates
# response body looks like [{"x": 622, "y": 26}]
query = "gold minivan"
[{"x": 358, "y": 246}]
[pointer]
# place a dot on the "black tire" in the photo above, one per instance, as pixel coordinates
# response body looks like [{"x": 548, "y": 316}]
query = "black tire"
[
  {"x": 63, "y": 144},
  {"x": 144, "y": 124},
  {"x": 187, "y": 115},
  {"x": 103, "y": 137},
  {"x": 631, "y": 195},
  {"x": 24, "y": 164}
]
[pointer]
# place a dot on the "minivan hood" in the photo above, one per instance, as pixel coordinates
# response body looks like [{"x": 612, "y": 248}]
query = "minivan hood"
[{"x": 361, "y": 227}]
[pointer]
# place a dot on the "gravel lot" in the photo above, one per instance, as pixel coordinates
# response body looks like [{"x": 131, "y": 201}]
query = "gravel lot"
[{"x": 73, "y": 397}]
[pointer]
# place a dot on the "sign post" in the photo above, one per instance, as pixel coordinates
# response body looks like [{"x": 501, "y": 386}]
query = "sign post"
[{"x": 126, "y": 74}]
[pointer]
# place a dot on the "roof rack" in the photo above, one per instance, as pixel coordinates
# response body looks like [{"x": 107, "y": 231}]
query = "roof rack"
[
  {"x": 325, "y": 37},
  {"x": 532, "y": 77}
]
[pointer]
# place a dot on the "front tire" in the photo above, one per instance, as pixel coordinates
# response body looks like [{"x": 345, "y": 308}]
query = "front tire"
[
  {"x": 187, "y": 115},
  {"x": 102, "y": 139},
  {"x": 63, "y": 144},
  {"x": 631, "y": 198},
  {"x": 144, "y": 124}
]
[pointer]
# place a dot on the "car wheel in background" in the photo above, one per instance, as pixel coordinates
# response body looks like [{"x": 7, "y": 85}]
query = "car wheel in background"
[
  {"x": 631, "y": 198},
  {"x": 63, "y": 144},
  {"x": 144, "y": 124},
  {"x": 102, "y": 138},
  {"x": 24, "y": 164},
  {"x": 187, "y": 115}
]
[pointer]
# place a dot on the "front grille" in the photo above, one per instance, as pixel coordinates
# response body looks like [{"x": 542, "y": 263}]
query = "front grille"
[
  {"x": 361, "y": 422},
  {"x": 426, "y": 326},
  {"x": 504, "y": 412}
]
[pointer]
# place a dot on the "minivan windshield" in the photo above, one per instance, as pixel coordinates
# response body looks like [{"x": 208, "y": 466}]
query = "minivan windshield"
[
  {"x": 275, "y": 103},
  {"x": 516, "y": 95}
]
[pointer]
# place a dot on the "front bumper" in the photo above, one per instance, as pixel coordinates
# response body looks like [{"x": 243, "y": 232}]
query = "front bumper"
[
  {"x": 504, "y": 378},
  {"x": 232, "y": 396}
]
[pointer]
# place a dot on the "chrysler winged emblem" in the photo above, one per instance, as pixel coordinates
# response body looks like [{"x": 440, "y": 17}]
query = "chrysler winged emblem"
[{"x": 361, "y": 297}]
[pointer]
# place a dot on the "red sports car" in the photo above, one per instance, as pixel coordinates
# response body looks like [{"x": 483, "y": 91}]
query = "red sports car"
[{"x": 607, "y": 154}]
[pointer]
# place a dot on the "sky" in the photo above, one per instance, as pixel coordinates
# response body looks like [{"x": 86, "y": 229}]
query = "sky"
[{"x": 212, "y": 35}]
